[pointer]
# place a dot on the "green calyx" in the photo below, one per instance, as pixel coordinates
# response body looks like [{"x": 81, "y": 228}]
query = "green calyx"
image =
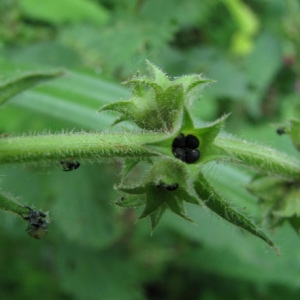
[
  {"x": 167, "y": 185},
  {"x": 157, "y": 103},
  {"x": 206, "y": 136}
]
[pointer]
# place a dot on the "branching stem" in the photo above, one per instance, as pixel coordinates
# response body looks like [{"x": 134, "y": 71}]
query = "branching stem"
[{"x": 97, "y": 146}]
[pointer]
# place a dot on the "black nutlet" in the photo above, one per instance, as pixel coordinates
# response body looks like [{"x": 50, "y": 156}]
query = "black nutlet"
[
  {"x": 179, "y": 142},
  {"x": 179, "y": 153},
  {"x": 191, "y": 142},
  {"x": 191, "y": 155},
  {"x": 185, "y": 148},
  {"x": 172, "y": 187}
]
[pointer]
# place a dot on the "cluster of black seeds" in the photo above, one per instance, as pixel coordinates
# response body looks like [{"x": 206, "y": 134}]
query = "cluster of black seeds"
[
  {"x": 185, "y": 148},
  {"x": 37, "y": 224}
]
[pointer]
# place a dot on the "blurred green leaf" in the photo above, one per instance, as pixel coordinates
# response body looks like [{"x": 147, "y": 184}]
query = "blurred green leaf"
[
  {"x": 248, "y": 25},
  {"x": 228, "y": 252},
  {"x": 291, "y": 205},
  {"x": 46, "y": 53},
  {"x": 90, "y": 275},
  {"x": 260, "y": 68},
  {"x": 62, "y": 11},
  {"x": 231, "y": 82},
  {"x": 82, "y": 210},
  {"x": 21, "y": 81},
  {"x": 72, "y": 100}
]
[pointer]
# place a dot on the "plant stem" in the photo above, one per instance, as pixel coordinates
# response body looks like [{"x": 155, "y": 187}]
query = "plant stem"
[
  {"x": 260, "y": 157},
  {"x": 97, "y": 146},
  {"x": 9, "y": 204},
  {"x": 56, "y": 147}
]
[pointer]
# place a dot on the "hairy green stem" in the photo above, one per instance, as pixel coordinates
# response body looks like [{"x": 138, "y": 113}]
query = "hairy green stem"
[
  {"x": 9, "y": 204},
  {"x": 260, "y": 157},
  {"x": 97, "y": 146},
  {"x": 55, "y": 147}
]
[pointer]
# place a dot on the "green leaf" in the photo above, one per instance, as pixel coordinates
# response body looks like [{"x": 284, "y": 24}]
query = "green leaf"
[
  {"x": 220, "y": 206},
  {"x": 82, "y": 211},
  {"x": 234, "y": 254},
  {"x": 58, "y": 12},
  {"x": 13, "y": 86},
  {"x": 103, "y": 273},
  {"x": 67, "y": 103},
  {"x": 268, "y": 53}
]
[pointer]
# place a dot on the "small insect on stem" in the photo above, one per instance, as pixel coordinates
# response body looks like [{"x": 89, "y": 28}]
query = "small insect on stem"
[
  {"x": 69, "y": 165},
  {"x": 280, "y": 131},
  {"x": 37, "y": 224}
]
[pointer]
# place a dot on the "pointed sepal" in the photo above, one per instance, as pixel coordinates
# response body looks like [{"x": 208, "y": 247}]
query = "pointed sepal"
[
  {"x": 157, "y": 102},
  {"x": 225, "y": 210},
  {"x": 167, "y": 185},
  {"x": 156, "y": 216},
  {"x": 130, "y": 201}
]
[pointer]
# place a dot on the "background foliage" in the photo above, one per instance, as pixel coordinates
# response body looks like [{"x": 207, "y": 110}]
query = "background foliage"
[{"x": 95, "y": 250}]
